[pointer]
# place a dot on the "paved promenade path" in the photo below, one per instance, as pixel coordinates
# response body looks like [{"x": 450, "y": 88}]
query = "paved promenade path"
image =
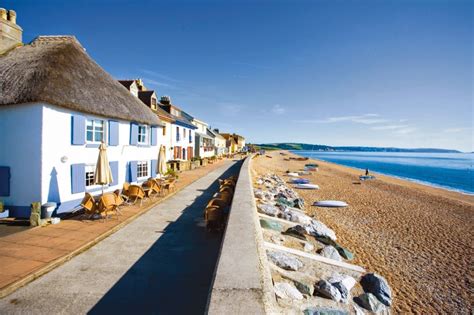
[{"x": 161, "y": 263}]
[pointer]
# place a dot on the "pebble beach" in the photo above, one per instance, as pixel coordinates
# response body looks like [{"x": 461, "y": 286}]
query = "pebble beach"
[{"x": 418, "y": 237}]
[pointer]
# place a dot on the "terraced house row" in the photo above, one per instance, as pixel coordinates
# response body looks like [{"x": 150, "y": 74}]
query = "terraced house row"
[{"x": 57, "y": 106}]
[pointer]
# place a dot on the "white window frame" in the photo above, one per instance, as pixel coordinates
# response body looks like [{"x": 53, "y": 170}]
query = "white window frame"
[
  {"x": 141, "y": 166},
  {"x": 145, "y": 136},
  {"x": 90, "y": 168},
  {"x": 94, "y": 123}
]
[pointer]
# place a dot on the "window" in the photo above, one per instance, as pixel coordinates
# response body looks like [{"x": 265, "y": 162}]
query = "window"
[
  {"x": 142, "y": 134},
  {"x": 153, "y": 103},
  {"x": 177, "y": 133},
  {"x": 95, "y": 130},
  {"x": 142, "y": 169},
  {"x": 90, "y": 173},
  {"x": 190, "y": 137},
  {"x": 164, "y": 130},
  {"x": 184, "y": 133}
]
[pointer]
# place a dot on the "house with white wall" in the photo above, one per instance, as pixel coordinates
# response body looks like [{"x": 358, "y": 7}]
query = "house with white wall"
[
  {"x": 56, "y": 106},
  {"x": 137, "y": 88},
  {"x": 204, "y": 143},
  {"x": 219, "y": 142},
  {"x": 182, "y": 130}
]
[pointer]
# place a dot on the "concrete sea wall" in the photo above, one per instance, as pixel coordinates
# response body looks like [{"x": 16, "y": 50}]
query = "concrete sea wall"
[{"x": 242, "y": 275}]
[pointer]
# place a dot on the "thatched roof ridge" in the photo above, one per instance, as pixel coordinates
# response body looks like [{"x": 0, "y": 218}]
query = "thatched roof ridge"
[{"x": 58, "y": 71}]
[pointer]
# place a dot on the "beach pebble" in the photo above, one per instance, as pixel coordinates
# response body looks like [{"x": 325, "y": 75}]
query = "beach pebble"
[
  {"x": 323, "y": 311},
  {"x": 284, "y": 261},
  {"x": 378, "y": 286},
  {"x": 330, "y": 252},
  {"x": 308, "y": 247},
  {"x": 317, "y": 228},
  {"x": 327, "y": 290},
  {"x": 370, "y": 302},
  {"x": 285, "y": 290},
  {"x": 268, "y": 209},
  {"x": 297, "y": 231}
]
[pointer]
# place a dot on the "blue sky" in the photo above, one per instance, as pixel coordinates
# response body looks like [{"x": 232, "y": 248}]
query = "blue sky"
[{"x": 373, "y": 73}]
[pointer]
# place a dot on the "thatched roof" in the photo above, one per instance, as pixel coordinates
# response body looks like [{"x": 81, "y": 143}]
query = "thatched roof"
[{"x": 57, "y": 70}]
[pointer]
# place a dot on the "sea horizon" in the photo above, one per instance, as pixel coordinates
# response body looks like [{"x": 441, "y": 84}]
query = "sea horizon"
[{"x": 435, "y": 166}]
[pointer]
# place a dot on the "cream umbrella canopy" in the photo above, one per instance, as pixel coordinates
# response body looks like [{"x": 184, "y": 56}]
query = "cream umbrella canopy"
[
  {"x": 103, "y": 173},
  {"x": 161, "y": 165}
]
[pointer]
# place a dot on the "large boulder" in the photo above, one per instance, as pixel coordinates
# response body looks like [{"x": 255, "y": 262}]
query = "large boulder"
[
  {"x": 370, "y": 302},
  {"x": 270, "y": 224},
  {"x": 378, "y": 286},
  {"x": 299, "y": 203},
  {"x": 268, "y": 209},
  {"x": 327, "y": 290},
  {"x": 331, "y": 253},
  {"x": 296, "y": 216},
  {"x": 297, "y": 231},
  {"x": 318, "y": 229},
  {"x": 347, "y": 281},
  {"x": 285, "y": 290},
  {"x": 285, "y": 261}
]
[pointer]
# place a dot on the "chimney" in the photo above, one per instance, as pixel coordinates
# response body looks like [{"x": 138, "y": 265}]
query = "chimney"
[
  {"x": 10, "y": 32},
  {"x": 165, "y": 100},
  {"x": 216, "y": 130}
]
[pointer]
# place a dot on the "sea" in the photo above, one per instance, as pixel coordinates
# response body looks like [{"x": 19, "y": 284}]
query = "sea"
[{"x": 452, "y": 171}]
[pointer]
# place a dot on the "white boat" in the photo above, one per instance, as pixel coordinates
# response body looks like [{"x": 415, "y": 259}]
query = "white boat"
[
  {"x": 292, "y": 174},
  {"x": 330, "y": 204},
  {"x": 307, "y": 186}
]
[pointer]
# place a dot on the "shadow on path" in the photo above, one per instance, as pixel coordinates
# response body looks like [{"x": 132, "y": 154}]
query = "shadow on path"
[{"x": 174, "y": 276}]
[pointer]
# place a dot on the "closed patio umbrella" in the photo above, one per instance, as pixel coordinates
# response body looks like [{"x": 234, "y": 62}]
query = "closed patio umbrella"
[
  {"x": 103, "y": 173},
  {"x": 161, "y": 167}
]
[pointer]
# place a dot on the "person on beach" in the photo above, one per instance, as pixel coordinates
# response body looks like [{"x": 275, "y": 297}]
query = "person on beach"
[{"x": 366, "y": 172}]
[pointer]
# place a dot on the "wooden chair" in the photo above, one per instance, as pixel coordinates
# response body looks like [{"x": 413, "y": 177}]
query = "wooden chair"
[
  {"x": 120, "y": 199},
  {"x": 213, "y": 217},
  {"x": 107, "y": 204},
  {"x": 153, "y": 187},
  {"x": 227, "y": 189},
  {"x": 125, "y": 189},
  {"x": 225, "y": 196},
  {"x": 170, "y": 185},
  {"x": 135, "y": 192},
  {"x": 89, "y": 205}
]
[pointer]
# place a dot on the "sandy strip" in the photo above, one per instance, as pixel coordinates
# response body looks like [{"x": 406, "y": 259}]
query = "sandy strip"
[{"x": 418, "y": 237}]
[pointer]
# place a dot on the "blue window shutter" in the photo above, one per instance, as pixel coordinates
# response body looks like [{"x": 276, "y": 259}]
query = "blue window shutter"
[
  {"x": 153, "y": 168},
  {"x": 78, "y": 130},
  {"x": 154, "y": 135},
  {"x": 78, "y": 178},
  {"x": 4, "y": 181},
  {"x": 113, "y": 133},
  {"x": 133, "y": 133},
  {"x": 114, "y": 168},
  {"x": 133, "y": 171}
]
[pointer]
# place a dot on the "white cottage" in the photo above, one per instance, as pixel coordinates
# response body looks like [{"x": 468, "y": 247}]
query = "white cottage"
[
  {"x": 149, "y": 98},
  {"x": 182, "y": 130},
  {"x": 204, "y": 142},
  {"x": 56, "y": 106}
]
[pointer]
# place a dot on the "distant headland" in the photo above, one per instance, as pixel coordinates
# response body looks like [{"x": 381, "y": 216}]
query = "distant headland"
[{"x": 319, "y": 147}]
